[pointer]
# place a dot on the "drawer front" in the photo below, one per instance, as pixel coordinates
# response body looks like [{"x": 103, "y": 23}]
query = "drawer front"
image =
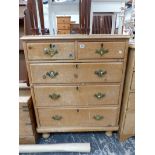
[
  {"x": 53, "y": 73},
  {"x": 64, "y": 20},
  {"x": 25, "y": 128},
  {"x": 131, "y": 101},
  {"x": 24, "y": 115},
  {"x": 76, "y": 95},
  {"x": 100, "y": 72},
  {"x": 100, "y": 50},
  {"x": 63, "y": 31},
  {"x": 51, "y": 51},
  {"x": 64, "y": 26},
  {"x": 77, "y": 117},
  {"x": 73, "y": 73},
  {"x": 27, "y": 140},
  {"x": 133, "y": 81}
]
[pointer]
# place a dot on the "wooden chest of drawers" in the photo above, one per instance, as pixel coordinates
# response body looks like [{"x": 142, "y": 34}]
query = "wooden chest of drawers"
[
  {"x": 27, "y": 124},
  {"x": 127, "y": 121},
  {"x": 63, "y": 24},
  {"x": 76, "y": 81}
]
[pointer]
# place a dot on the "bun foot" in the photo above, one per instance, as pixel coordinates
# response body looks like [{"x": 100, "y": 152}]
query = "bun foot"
[
  {"x": 45, "y": 135},
  {"x": 108, "y": 133}
]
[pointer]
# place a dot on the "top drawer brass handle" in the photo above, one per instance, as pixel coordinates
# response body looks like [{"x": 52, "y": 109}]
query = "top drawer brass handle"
[
  {"x": 56, "y": 117},
  {"x": 100, "y": 73},
  {"x": 51, "y": 74},
  {"x": 98, "y": 117},
  {"x": 102, "y": 50},
  {"x": 51, "y": 50},
  {"x": 99, "y": 95}
]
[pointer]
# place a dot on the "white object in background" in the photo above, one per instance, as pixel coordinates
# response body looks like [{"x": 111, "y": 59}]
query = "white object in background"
[{"x": 65, "y": 147}]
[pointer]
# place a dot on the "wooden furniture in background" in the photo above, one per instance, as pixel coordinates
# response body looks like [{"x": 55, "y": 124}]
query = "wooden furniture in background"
[
  {"x": 76, "y": 81},
  {"x": 23, "y": 77},
  {"x": 75, "y": 28},
  {"x": 127, "y": 121},
  {"x": 27, "y": 123},
  {"x": 84, "y": 14},
  {"x": 63, "y": 24}
]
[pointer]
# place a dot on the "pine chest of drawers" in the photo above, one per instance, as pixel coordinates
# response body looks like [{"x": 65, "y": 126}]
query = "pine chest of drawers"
[{"x": 76, "y": 81}]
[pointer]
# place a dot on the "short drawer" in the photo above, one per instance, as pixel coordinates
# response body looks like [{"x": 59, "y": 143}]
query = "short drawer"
[
  {"x": 64, "y": 20},
  {"x": 79, "y": 72},
  {"x": 50, "y": 51},
  {"x": 133, "y": 81},
  {"x": 25, "y": 128},
  {"x": 63, "y": 31},
  {"x": 64, "y": 26},
  {"x": 24, "y": 115},
  {"x": 131, "y": 101},
  {"x": 76, "y": 95},
  {"x": 52, "y": 117},
  {"x": 100, "y": 50}
]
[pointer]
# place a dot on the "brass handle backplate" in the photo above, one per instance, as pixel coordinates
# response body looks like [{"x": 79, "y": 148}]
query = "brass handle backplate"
[
  {"x": 100, "y": 72},
  {"x": 102, "y": 50},
  {"x": 98, "y": 117},
  {"x": 54, "y": 96},
  {"x": 50, "y": 50},
  {"x": 99, "y": 95},
  {"x": 51, "y": 74},
  {"x": 56, "y": 117}
]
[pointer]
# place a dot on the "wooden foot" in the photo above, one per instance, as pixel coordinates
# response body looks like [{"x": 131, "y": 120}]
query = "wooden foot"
[
  {"x": 45, "y": 135},
  {"x": 108, "y": 133}
]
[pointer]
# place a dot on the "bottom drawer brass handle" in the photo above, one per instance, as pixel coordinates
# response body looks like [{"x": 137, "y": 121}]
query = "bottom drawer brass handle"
[
  {"x": 98, "y": 117},
  {"x": 99, "y": 95},
  {"x": 56, "y": 117},
  {"x": 100, "y": 72},
  {"x": 54, "y": 96}
]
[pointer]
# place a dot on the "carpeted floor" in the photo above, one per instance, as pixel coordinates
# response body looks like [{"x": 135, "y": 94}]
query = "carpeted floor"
[{"x": 100, "y": 143}]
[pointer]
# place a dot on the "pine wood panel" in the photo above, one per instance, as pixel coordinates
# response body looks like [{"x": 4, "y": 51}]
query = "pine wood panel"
[
  {"x": 133, "y": 81},
  {"x": 77, "y": 117},
  {"x": 65, "y": 51},
  {"x": 76, "y": 95},
  {"x": 72, "y": 73},
  {"x": 129, "y": 124},
  {"x": 27, "y": 140},
  {"x": 131, "y": 101},
  {"x": 87, "y": 50}
]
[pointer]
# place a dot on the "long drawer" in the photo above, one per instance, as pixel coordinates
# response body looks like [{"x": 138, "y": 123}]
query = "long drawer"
[
  {"x": 64, "y": 26},
  {"x": 76, "y": 95},
  {"x": 51, "y": 51},
  {"x": 100, "y": 50},
  {"x": 61, "y": 117},
  {"x": 76, "y": 72}
]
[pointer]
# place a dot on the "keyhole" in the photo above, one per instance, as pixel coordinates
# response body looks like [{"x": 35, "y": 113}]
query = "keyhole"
[
  {"x": 102, "y": 45},
  {"x": 77, "y": 110}
]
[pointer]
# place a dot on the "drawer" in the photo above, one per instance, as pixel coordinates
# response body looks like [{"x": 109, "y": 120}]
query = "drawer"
[
  {"x": 64, "y": 26},
  {"x": 65, "y": 20},
  {"x": 131, "y": 101},
  {"x": 76, "y": 95},
  {"x": 24, "y": 115},
  {"x": 51, "y": 51},
  {"x": 100, "y": 50},
  {"x": 63, "y": 31},
  {"x": 129, "y": 126},
  {"x": 27, "y": 140},
  {"x": 133, "y": 81},
  {"x": 25, "y": 128},
  {"x": 79, "y": 72},
  {"x": 77, "y": 117}
]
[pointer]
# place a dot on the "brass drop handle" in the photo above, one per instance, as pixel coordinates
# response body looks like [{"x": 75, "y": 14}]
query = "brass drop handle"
[
  {"x": 102, "y": 50},
  {"x": 51, "y": 74},
  {"x": 54, "y": 96},
  {"x": 99, "y": 95},
  {"x": 100, "y": 72},
  {"x": 51, "y": 50},
  {"x": 98, "y": 117},
  {"x": 57, "y": 117}
]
